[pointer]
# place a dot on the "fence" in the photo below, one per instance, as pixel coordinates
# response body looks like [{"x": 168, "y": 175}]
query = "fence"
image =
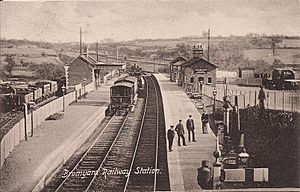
[
  {"x": 110, "y": 75},
  {"x": 277, "y": 100},
  {"x": 17, "y": 133}
]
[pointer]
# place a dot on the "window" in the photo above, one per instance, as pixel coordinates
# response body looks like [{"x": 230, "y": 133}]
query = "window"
[
  {"x": 192, "y": 79},
  {"x": 209, "y": 80},
  {"x": 200, "y": 79}
]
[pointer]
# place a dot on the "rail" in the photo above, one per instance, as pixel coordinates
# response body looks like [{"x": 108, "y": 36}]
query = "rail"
[
  {"x": 89, "y": 156},
  {"x": 147, "y": 151}
]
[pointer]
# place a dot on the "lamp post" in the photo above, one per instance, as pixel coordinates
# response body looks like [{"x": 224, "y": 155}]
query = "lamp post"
[
  {"x": 31, "y": 106},
  {"x": 66, "y": 74},
  {"x": 25, "y": 119},
  {"x": 243, "y": 158},
  {"x": 217, "y": 166},
  {"x": 214, "y": 94},
  {"x": 63, "y": 95},
  {"x": 84, "y": 81}
]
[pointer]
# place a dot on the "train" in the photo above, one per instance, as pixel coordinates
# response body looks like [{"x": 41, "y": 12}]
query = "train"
[
  {"x": 278, "y": 79},
  {"x": 14, "y": 94},
  {"x": 123, "y": 94},
  {"x": 281, "y": 79}
]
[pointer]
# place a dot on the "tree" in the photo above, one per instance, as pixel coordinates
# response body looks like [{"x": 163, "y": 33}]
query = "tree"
[
  {"x": 274, "y": 40},
  {"x": 10, "y": 64},
  {"x": 22, "y": 62},
  {"x": 48, "y": 71},
  {"x": 204, "y": 34}
]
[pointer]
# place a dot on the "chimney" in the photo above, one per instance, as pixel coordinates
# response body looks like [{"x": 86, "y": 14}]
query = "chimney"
[{"x": 198, "y": 51}]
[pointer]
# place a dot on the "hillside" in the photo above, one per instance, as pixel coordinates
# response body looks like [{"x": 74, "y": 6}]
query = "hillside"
[{"x": 227, "y": 52}]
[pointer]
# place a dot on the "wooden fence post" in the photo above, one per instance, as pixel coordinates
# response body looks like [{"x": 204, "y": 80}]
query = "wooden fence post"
[
  {"x": 275, "y": 100},
  {"x": 282, "y": 100},
  {"x": 255, "y": 97}
]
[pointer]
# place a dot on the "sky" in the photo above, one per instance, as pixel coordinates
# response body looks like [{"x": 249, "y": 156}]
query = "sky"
[{"x": 54, "y": 21}]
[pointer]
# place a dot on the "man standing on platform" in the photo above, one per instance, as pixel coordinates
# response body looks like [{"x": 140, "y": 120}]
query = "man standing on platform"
[
  {"x": 204, "y": 119},
  {"x": 204, "y": 176},
  {"x": 180, "y": 133},
  {"x": 190, "y": 127},
  {"x": 171, "y": 135}
]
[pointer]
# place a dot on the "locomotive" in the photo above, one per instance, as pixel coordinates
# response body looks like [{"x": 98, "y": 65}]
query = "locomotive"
[
  {"x": 282, "y": 79},
  {"x": 279, "y": 79}
]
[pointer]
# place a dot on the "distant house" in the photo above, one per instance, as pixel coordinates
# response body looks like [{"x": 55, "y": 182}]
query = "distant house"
[
  {"x": 175, "y": 68},
  {"x": 86, "y": 68},
  {"x": 247, "y": 72},
  {"x": 197, "y": 71},
  {"x": 224, "y": 76}
]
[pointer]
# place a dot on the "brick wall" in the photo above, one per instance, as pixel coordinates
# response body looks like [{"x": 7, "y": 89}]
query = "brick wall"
[
  {"x": 190, "y": 71},
  {"x": 78, "y": 70}
]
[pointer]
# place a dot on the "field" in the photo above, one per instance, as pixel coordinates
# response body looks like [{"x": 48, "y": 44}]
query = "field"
[
  {"x": 29, "y": 54},
  {"x": 173, "y": 42},
  {"x": 27, "y": 51},
  {"x": 287, "y": 56},
  {"x": 290, "y": 43}
]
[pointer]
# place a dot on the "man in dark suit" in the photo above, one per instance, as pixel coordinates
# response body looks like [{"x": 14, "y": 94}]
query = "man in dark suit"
[
  {"x": 204, "y": 176},
  {"x": 204, "y": 119},
  {"x": 171, "y": 135},
  {"x": 190, "y": 127},
  {"x": 180, "y": 133}
]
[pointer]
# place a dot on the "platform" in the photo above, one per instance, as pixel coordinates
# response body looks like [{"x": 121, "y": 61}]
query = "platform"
[
  {"x": 183, "y": 161},
  {"x": 32, "y": 161}
]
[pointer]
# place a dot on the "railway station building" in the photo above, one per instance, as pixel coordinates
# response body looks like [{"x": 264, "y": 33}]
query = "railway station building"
[
  {"x": 175, "y": 68},
  {"x": 197, "y": 71},
  {"x": 85, "y": 67}
]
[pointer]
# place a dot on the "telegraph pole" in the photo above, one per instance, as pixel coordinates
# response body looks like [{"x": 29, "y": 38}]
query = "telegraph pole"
[
  {"x": 80, "y": 44},
  {"x": 208, "y": 36},
  {"x": 97, "y": 51}
]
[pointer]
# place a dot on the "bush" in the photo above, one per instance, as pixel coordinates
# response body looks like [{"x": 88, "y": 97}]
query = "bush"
[
  {"x": 271, "y": 140},
  {"x": 48, "y": 71}
]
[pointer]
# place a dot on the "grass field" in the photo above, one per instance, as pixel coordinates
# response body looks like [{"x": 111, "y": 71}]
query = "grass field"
[
  {"x": 28, "y": 51},
  {"x": 173, "y": 42},
  {"x": 287, "y": 56},
  {"x": 290, "y": 43}
]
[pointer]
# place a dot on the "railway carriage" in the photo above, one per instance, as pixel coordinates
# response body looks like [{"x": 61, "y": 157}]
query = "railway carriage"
[
  {"x": 129, "y": 79},
  {"x": 121, "y": 95}
]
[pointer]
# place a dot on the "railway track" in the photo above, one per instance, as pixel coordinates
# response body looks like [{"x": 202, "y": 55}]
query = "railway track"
[
  {"x": 82, "y": 174},
  {"x": 132, "y": 157},
  {"x": 149, "y": 171}
]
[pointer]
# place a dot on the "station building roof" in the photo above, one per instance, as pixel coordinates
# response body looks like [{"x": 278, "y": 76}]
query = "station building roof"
[{"x": 198, "y": 61}]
